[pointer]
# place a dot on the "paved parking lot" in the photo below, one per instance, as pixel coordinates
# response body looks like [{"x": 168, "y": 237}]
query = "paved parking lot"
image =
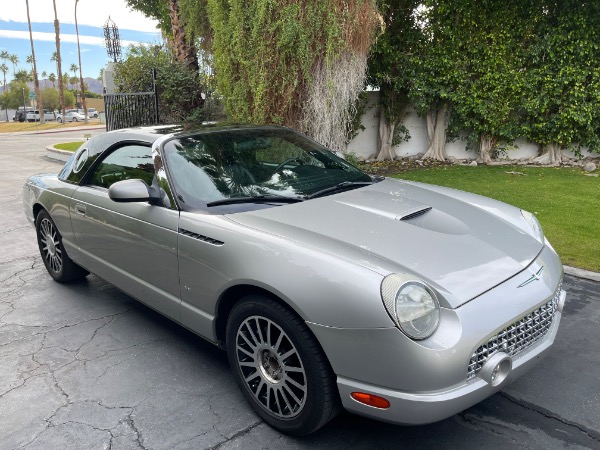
[{"x": 85, "y": 366}]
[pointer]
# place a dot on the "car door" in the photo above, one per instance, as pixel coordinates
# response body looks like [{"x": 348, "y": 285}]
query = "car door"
[{"x": 131, "y": 245}]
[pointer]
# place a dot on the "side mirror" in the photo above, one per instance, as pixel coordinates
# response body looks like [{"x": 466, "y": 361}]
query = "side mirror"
[{"x": 130, "y": 191}]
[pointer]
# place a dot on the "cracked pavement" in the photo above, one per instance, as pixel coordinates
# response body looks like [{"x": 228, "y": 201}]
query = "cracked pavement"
[{"x": 85, "y": 366}]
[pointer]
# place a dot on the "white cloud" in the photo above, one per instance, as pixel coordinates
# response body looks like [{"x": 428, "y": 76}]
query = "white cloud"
[
  {"x": 40, "y": 36},
  {"x": 89, "y": 12}
]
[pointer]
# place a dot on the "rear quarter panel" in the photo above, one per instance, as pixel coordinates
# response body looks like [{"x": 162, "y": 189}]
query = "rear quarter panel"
[{"x": 53, "y": 195}]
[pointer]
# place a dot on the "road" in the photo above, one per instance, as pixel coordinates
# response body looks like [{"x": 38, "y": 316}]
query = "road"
[{"x": 85, "y": 366}]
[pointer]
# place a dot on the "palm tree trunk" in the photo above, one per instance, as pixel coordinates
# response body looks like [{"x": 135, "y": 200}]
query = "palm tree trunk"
[
  {"x": 184, "y": 51},
  {"x": 81, "y": 85},
  {"x": 36, "y": 82},
  {"x": 61, "y": 87}
]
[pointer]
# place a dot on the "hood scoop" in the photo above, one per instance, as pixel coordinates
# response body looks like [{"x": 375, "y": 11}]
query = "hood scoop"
[
  {"x": 399, "y": 208},
  {"x": 412, "y": 214}
]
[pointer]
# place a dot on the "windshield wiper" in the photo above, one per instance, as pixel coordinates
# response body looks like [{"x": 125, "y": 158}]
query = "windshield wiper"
[
  {"x": 256, "y": 199},
  {"x": 344, "y": 185}
]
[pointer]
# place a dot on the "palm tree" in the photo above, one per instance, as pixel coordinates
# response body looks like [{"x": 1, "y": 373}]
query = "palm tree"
[
  {"x": 52, "y": 79},
  {"x": 23, "y": 76},
  {"x": 4, "y": 69},
  {"x": 35, "y": 77},
  {"x": 29, "y": 60},
  {"x": 74, "y": 69},
  {"x": 73, "y": 82},
  {"x": 14, "y": 59},
  {"x": 56, "y": 57},
  {"x": 4, "y": 55},
  {"x": 81, "y": 85}
]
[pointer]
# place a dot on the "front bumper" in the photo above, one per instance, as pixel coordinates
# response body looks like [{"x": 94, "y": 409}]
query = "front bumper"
[
  {"x": 430, "y": 380},
  {"x": 426, "y": 407}
]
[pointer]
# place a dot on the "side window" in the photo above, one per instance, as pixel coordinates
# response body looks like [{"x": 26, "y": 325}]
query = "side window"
[{"x": 124, "y": 163}]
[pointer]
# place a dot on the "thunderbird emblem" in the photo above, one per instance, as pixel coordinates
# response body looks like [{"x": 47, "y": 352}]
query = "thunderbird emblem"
[{"x": 535, "y": 277}]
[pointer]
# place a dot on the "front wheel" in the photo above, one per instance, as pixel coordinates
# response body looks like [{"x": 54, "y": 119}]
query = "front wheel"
[
  {"x": 57, "y": 262},
  {"x": 75, "y": 119},
  {"x": 280, "y": 367},
  {"x": 59, "y": 120}
]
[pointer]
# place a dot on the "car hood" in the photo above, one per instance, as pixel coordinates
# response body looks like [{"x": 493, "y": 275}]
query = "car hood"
[{"x": 462, "y": 244}]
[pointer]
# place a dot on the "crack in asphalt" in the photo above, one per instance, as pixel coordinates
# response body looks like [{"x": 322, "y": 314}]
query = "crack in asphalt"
[
  {"x": 138, "y": 433},
  {"x": 13, "y": 229},
  {"x": 240, "y": 433},
  {"x": 480, "y": 424},
  {"x": 16, "y": 274},
  {"x": 593, "y": 435}
]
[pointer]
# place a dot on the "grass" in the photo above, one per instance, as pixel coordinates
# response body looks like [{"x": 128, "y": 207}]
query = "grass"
[
  {"x": 69, "y": 146},
  {"x": 565, "y": 201},
  {"x": 12, "y": 127}
]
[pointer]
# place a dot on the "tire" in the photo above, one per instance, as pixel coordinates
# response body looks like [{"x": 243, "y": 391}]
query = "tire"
[
  {"x": 59, "y": 120},
  {"x": 75, "y": 119},
  {"x": 280, "y": 366},
  {"x": 57, "y": 262}
]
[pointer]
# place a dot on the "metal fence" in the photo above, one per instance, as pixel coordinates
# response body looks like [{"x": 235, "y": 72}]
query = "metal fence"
[{"x": 132, "y": 109}]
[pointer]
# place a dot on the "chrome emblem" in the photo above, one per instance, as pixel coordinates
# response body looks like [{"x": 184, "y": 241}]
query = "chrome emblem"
[{"x": 535, "y": 277}]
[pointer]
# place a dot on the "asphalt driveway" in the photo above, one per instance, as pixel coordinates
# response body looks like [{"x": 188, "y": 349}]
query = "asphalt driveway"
[{"x": 85, "y": 366}]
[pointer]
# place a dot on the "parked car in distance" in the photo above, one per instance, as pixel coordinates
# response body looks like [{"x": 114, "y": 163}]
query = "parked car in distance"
[
  {"x": 400, "y": 301},
  {"x": 21, "y": 115},
  {"x": 71, "y": 116},
  {"x": 34, "y": 115},
  {"x": 92, "y": 112}
]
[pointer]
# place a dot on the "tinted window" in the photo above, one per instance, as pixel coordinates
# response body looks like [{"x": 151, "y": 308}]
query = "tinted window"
[
  {"x": 125, "y": 163},
  {"x": 250, "y": 162}
]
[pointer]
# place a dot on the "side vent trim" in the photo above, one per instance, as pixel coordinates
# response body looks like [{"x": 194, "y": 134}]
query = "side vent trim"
[
  {"x": 200, "y": 237},
  {"x": 413, "y": 214}
]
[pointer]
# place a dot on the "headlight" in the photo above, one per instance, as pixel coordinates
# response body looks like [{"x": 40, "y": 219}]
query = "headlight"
[
  {"x": 412, "y": 304},
  {"x": 534, "y": 224}
]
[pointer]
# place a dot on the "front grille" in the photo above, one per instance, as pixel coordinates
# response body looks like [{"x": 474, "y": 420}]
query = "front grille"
[{"x": 517, "y": 336}]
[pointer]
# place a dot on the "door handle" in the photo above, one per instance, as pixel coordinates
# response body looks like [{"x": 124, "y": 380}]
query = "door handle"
[{"x": 80, "y": 209}]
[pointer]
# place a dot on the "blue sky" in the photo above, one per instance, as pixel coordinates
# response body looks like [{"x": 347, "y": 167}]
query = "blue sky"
[{"x": 14, "y": 33}]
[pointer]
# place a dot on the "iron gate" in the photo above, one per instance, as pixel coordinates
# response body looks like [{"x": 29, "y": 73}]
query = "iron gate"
[{"x": 132, "y": 109}]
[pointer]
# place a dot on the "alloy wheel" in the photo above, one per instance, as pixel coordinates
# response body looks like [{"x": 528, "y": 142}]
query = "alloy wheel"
[
  {"x": 271, "y": 367},
  {"x": 51, "y": 248}
]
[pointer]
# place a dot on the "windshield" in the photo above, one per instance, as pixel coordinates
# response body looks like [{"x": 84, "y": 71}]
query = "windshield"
[{"x": 253, "y": 162}]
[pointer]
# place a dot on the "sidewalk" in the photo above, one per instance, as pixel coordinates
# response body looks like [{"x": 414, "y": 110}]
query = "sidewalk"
[{"x": 60, "y": 130}]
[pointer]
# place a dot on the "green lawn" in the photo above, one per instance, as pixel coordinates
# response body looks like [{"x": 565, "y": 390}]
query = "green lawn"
[
  {"x": 69, "y": 146},
  {"x": 565, "y": 201}
]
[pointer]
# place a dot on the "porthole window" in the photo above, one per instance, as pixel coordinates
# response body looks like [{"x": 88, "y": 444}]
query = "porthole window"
[{"x": 80, "y": 161}]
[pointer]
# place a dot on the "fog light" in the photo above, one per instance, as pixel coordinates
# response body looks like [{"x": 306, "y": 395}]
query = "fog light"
[
  {"x": 496, "y": 368},
  {"x": 371, "y": 400}
]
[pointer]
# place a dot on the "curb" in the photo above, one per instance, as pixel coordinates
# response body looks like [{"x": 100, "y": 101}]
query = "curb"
[
  {"x": 64, "y": 130},
  {"x": 57, "y": 154},
  {"x": 93, "y": 127},
  {"x": 580, "y": 273}
]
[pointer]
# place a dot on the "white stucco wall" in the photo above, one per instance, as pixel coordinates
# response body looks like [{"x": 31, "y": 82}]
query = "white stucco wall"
[{"x": 365, "y": 143}]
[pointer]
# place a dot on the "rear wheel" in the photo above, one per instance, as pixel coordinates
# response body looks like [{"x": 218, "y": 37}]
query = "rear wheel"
[
  {"x": 57, "y": 262},
  {"x": 280, "y": 367},
  {"x": 59, "y": 119},
  {"x": 75, "y": 119}
]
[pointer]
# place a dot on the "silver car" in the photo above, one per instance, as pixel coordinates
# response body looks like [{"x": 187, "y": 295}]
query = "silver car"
[
  {"x": 70, "y": 116},
  {"x": 327, "y": 287}
]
